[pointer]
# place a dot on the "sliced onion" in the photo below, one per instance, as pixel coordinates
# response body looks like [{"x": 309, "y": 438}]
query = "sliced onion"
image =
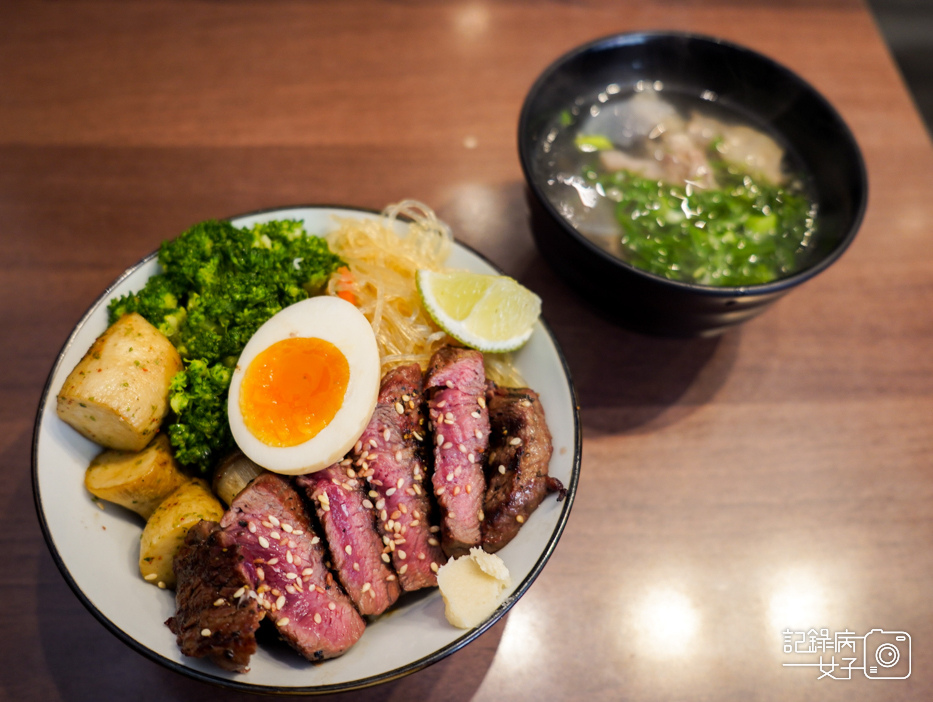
[{"x": 234, "y": 474}]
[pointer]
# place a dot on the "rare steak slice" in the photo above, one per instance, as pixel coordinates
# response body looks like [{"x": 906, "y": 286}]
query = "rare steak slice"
[
  {"x": 214, "y": 617},
  {"x": 456, "y": 385},
  {"x": 346, "y": 514},
  {"x": 391, "y": 456},
  {"x": 284, "y": 558},
  {"x": 517, "y": 467}
]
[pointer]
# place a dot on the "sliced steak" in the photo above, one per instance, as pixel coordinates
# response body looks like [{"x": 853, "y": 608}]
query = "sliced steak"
[
  {"x": 456, "y": 384},
  {"x": 285, "y": 560},
  {"x": 391, "y": 456},
  {"x": 346, "y": 514},
  {"x": 517, "y": 467},
  {"x": 214, "y": 618}
]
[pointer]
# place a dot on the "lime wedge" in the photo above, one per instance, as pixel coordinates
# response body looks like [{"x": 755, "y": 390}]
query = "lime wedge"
[{"x": 491, "y": 313}]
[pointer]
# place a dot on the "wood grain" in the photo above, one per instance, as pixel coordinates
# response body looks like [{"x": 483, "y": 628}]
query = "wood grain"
[{"x": 778, "y": 476}]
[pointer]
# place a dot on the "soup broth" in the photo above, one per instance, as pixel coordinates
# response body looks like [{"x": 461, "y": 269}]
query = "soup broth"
[{"x": 680, "y": 186}]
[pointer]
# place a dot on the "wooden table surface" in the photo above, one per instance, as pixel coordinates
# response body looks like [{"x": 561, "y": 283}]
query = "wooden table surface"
[{"x": 775, "y": 478}]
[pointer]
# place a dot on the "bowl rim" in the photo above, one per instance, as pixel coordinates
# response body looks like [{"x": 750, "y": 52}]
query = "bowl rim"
[
  {"x": 616, "y": 40},
  {"x": 215, "y": 678}
]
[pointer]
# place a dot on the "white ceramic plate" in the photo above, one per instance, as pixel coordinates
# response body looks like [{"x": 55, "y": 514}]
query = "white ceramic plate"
[{"x": 97, "y": 549}]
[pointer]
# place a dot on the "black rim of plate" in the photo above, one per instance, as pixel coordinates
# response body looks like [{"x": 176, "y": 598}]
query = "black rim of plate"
[
  {"x": 627, "y": 38},
  {"x": 358, "y": 684}
]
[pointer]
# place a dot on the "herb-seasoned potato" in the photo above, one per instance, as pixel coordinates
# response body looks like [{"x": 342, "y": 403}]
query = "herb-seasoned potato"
[
  {"x": 166, "y": 529},
  {"x": 117, "y": 395},
  {"x": 137, "y": 480}
]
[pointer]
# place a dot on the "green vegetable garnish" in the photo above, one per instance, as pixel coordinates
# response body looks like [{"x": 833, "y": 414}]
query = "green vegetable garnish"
[
  {"x": 593, "y": 142},
  {"x": 218, "y": 285},
  {"x": 746, "y": 232}
]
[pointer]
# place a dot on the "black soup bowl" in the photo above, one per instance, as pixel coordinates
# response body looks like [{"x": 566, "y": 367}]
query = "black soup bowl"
[{"x": 765, "y": 94}]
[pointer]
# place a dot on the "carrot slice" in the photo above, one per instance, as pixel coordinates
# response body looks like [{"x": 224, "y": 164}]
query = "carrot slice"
[{"x": 346, "y": 285}]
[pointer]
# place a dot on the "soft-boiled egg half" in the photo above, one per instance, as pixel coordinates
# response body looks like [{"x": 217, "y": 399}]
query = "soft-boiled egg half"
[{"x": 305, "y": 386}]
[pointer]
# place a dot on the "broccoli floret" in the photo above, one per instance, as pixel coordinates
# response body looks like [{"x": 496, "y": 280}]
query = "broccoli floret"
[
  {"x": 158, "y": 302},
  {"x": 218, "y": 285},
  {"x": 200, "y": 431}
]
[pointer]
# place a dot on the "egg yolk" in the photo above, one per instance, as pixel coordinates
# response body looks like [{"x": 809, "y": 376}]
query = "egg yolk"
[{"x": 293, "y": 389}]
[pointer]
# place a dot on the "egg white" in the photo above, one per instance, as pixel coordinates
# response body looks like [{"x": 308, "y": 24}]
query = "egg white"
[{"x": 342, "y": 324}]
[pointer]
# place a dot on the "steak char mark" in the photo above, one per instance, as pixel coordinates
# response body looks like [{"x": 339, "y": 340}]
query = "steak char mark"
[
  {"x": 285, "y": 560},
  {"x": 391, "y": 456},
  {"x": 346, "y": 514},
  {"x": 456, "y": 384},
  {"x": 214, "y": 618},
  {"x": 519, "y": 453}
]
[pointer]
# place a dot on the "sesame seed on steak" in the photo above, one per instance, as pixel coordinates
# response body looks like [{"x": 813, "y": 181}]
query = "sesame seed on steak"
[
  {"x": 391, "y": 456},
  {"x": 214, "y": 618},
  {"x": 285, "y": 559},
  {"x": 517, "y": 467},
  {"x": 346, "y": 514},
  {"x": 456, "y": 384}
]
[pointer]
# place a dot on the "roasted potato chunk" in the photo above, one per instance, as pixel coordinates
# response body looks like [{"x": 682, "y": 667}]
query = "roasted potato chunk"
[
  {"x": 137, "y": 480},
  {"x": 166, "y": 529},
  {"x": 117, "y": 395}
]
